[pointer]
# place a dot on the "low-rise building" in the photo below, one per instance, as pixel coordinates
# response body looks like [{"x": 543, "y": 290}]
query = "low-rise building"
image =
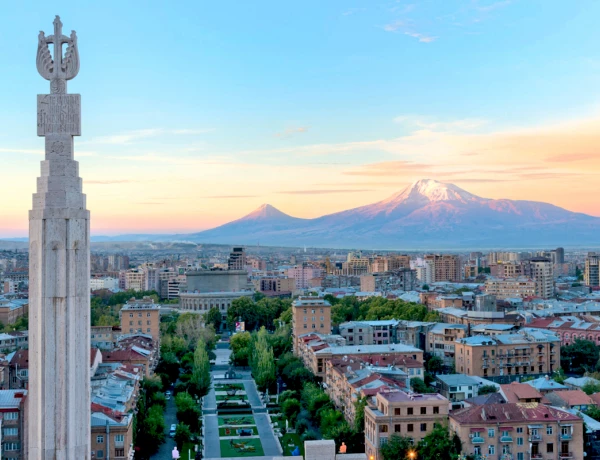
[
  {"x": 112, "y": 434},
  {"x": 11, "y": 309},
  {"x": 457, "y": 387},
  {"x": 516, "y": 392},
  {"x": 12, "y": 423},
  {"x": 141, "y": 316},
  {"x": 570, "y": 399},
  {"x": 406, "y": 414},
  {"x": 518, "y": 431},
  {"x": 529, "y": 351},
  {"x": 441, "y": 341},
  {"x": 104, "y": 337}
]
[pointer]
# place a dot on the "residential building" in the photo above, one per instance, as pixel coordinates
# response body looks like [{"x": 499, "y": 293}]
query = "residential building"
[
  {"x": 509, "y": 288},
  {"x": 516, "y": 392},
  {"x": 518, "y": 431},
  {"x": 402, "y": 279},
  {"x": 441, "y": 341},
  {"x": 541, "y": 271},
  {"x": 141, "y": 316},
  {"x": 406, "y": 414},
  {"x": 276, "y": 285},
  {"x": 310, "y": 315},
  {"x": 569, "y": 328},
  {"x": 570, "y": 399},
  {"x": 237, "y": 259},
  {"x": 107, "y": 282},
  {"x": 13, "y": 341},
  {"x": 546, "y": 385},
  {"x": 12, "y": 309},
  {"x": 133, "y": 279},
  {"x": 104, "y": 337},
  {"x": 591, "y": 272},
  {"x": 446, "y": 267},
  {"x": 457, "y": 387},
  {"x": 303, "y": 274},
  {"x": 369, "y": 332},
  {"x": 529, "y": 351},
  {"x": 112, "y": 434},
  {"x": 12, "y": 424}
]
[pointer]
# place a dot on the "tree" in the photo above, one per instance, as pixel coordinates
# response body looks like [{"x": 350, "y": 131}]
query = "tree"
[
  {"x": 396, "y": 448},
  {"x": 594, "y": 412},
  {"x": 182, "y": 434},
  {"x": 439, "y": 445},
  {"x": 152, "y": 430},
  {"x": 579, "y": 357},
  {"x": 434, "y": 364},
  {"x": 168, "y": 365},
  {"x": 291, "y": 408},
  {"x": 591, "y": 387},
  {"x": 245, "y": 309},
  {"x": 188, "y": 411},
  {"x": 200, "y": 381},
  {"x": 418, "y": 386},
  {"x": 263, "y": 361},
  {"x": 240, "y": 349},
  {"x": 487, "y": 389},
  {"x": 214, "y": 318}
]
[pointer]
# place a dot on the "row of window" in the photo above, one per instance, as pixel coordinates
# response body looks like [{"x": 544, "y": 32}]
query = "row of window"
[
  {"x": 139, "y": 315},
  {"x": 409, "y": 428},
  {"x": 119, "y": 452},
  {"x": 148, "y": 323},
  {"x": 118, "y": 438},
  {"x": 131, "y": 331},
  {"x": 314, "y": 326}
]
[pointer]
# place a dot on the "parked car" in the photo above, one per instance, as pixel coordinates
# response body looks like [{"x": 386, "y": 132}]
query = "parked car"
[{"x": 173, "y": 430}]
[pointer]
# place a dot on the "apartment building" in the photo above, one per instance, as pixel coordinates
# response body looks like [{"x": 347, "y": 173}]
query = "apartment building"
[
  {"x": 12, "y": 423},
  {"x": 406, "y": 414},
  {"x": 541, "y": 271},
  {"x": 112, "y": 434},
  {"x": 276, "y": 285},
  {"x": 441, "y": 341},
  {"x": 369, "y": 332},
  {"x": 529, "y": 351},
  {"x": 303, "y": 274},
  {"x": 310, "y": 315},
  {"x": 457, "y": 387},
  {"x": 446, "y": 267},
  {"x": 402, "y": 279},
  {"x": 141, "y": 316},
  {"x": 510, "y": 288},
  {"x": 133, "y": 279},
  {"x": 506, "y": 270},
  {"x": 568, "y": 328},
  {"x": 12, "y": 309},
  {"x": 237, "y": 259},
  {"x": 591, "y": 272},
  {"x": 104, "y": 337},
  {"x": 518, "y": 431}
]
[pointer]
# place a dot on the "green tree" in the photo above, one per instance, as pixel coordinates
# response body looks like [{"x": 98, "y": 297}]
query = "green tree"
[
  {"x": 263, "y": 361},
  {"x": 188, "y": 411},
  {"x": 168, "y": 365},
  {"x": 594, "y": 412},
  {"x": 487, "y": 389},
  {"x": 213, "y": 317},
  {"x": 579, "y": 357},
  {"x": 439, "y": 444},
  {"x": 591, "y": 387},
  {"x": 396, "y": 448},
  {"x": 152, "y": 431},
  {"x": 418, "y": 386},
  {"x": 245, "y": 309},
  {"x": 200, "y": 381},
  {"x": 291, "y": 408},
  {"x": 434, "y": 364},
  {"x": 240, "y": 345},
  {"x": 182, "y": 434}
]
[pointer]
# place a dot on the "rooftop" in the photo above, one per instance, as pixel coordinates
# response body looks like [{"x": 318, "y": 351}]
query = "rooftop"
[
  {"x": 401, "y": 396},
  {"x": 511, "y": 413},
  {"x": 368, "y": 349},
  {"x": 11, "y": 399},
  {"x": 457, "y": 379}
]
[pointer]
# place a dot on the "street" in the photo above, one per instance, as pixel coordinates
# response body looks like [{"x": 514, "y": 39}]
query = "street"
[{"x": 164, "y": 451}]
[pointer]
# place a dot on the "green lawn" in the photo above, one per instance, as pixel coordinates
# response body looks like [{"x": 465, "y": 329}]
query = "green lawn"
[
  {"x": 232, "y": 430},
  {"x": 229, "y": 386},
  {"x": 227, "y": 397},
  {"x": 187, "y": 447},
  {"x": 245, "y": 448},
  {"x": 237, "y": 420},
  {"x": 291, "y": 438}
]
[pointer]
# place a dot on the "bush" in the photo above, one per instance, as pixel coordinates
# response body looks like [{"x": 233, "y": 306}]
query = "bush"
[{"x": 310, "y": 435}]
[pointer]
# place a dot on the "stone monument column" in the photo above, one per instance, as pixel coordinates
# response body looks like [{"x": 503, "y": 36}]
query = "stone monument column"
[{"x": 59, "y": 270}]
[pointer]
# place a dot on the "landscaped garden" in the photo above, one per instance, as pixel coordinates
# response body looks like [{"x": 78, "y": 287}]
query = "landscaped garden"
[
  {"x": 237, "y": 420},
  {"x": 241, "y": 448},
  {"x": 289, "y": 442}
]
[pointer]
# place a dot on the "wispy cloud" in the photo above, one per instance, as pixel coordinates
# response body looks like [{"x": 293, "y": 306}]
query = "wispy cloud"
[
  {"x": 407, "y": 29},
  {"x": 568, "y": 157},
  {"x": 25, "y": 151},
  {"x": 351, "y": 11},
  {"x": 289, "y": 132},
  {"x": 389, "y": 168},
  {"x": 424, "y": 122},
  {"x": 227, "y": 197},
  {"x": 422, "y": 38},
  {"x": 491, "y": 6},
  {"x": 322, "y": 192}
]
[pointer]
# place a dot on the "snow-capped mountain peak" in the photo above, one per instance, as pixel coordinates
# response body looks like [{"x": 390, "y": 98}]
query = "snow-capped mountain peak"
[{"x": 429, "y": 190}]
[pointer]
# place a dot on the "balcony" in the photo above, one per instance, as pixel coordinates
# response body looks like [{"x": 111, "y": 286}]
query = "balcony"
[
  {"x": 565, "y": 455},
  {"x": 506, "y": 439},
  {"x": 566, "y": 436},
  {"x": 477, "y": 440},
  {"x": 535, "y": 438},
  {"x": 535, "y": 456}
]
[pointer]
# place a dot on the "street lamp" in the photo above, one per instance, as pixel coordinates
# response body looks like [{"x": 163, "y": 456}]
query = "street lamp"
[{"x": 412, "y": 455}]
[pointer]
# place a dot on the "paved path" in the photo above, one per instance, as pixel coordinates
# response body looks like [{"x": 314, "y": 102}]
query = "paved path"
[
  {"x": 209, "y": 402},
  {"x": 212, "y": 446},
  {"x": 252, "y": 394},
  {"x": 267, "y": 438},
  {"x": 164, "y": 451}
]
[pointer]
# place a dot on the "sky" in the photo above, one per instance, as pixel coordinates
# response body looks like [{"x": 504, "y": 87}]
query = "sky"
[{"x": 194, "y": 113}]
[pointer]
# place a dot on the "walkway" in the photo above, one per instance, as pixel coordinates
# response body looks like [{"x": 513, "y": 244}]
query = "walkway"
[
  {"x": 267, "y": 438},
  {"x": 212, "y": 446},
  {"x": 252, "y": 394},
  {"x": 165, "y": 449}
]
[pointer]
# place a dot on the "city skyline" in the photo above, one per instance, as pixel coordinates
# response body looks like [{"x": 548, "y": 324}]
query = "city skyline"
[{"x": 313, "y": 110}]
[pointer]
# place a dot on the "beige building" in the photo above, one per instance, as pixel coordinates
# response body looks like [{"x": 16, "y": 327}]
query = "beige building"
[
  {"x": 12, "y": 423},
  {"x": 310, "y": 315},
  {"x": 523, "y": 431},
  {"x": 112, "y": 434},
  {"x": 591, "y": 273},
  {"x": 510, "y": 287},
  {"x": 541, "y": 271},
  {"x": 141, "y": 316},
  {"x": 134, "y": 279},
  {"x": 446, "y": 267},
  {"x": 530, "y": 351},
  {"x": 276, "y": 285},
  {"x": 404, "y": 414},
  {"x": 12, "y": 310}
]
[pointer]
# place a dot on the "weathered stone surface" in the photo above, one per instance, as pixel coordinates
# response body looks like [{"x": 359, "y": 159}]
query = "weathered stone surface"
[
  {"x": 319, "y": 450},
  {"x": 59, "y": 267}
]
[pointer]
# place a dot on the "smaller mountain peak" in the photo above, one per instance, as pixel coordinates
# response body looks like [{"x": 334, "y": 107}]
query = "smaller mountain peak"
[{"x": 265, "y": 211}]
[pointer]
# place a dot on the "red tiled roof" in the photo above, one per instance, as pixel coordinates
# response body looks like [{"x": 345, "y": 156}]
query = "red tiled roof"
[
  {"x": 575, "y": 398},
  {"x": 515, "y": 392},
  {"x": 510, "y": 413},
  {"x": 21, "y": 359},
  {"x": 115, "y": 415},
  {"x": 596, "y": 398}
]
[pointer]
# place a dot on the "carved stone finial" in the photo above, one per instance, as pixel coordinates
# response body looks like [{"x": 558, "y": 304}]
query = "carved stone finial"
[{"x": 57, "y": 69}]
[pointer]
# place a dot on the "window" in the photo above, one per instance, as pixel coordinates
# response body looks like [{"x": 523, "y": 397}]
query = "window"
[
  {"x": 383, "y": 428},
  {"x": 477, "y": 450},
  {"x": 423, "y": 426},
  {"x": 520, "y": 456},
  {"x": 409, "y": 411},
  {"x": 550, "y": 447},
  {"x": 423, "y": 411},
  {"x": 520, "y": 429},
  {"x": 131, "y": 323},
  {"x": 436, "y": 409},
  {"x": 549, "y": 429},
  {"x": 11, "y": 431},
  {"x": 99, "y": 439},
  {"x": 10, "y": 446},
  {"x": 491, "y": 449},
  {"x": 148, "y": 323},
  {"x": 148, "y": 330},
  {"x": 397, "y": 411},
  {"x": 148, "y": 314},
  {"x": 519, "y": 441},
  {"x": 409, "y": 427},
  {"x": 100, "y": 454},
  {"x": 120, "y": 452},
  {"x": 397, "y": 428},
  {"x": 131, "y": 315},
  {"x": 11, "y": 416},
  {"x": 491, "y": 433}
]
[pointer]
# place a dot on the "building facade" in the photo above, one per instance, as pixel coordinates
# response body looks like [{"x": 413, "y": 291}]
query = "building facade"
[{"x": 141, "y": 316}]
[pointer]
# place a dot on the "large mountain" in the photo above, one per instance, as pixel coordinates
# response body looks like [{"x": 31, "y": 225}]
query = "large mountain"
[{"x": 427, "y": 214}]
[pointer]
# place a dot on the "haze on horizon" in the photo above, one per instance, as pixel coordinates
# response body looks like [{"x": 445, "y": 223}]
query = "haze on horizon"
[{"x": 194, "y": 114}]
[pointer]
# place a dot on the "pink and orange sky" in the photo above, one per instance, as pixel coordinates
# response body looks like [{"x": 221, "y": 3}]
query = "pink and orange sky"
[{"x": 313, "y": 110}]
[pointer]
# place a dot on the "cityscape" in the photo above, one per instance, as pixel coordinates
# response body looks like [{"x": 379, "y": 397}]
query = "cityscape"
[{"x": 236, "y": 300}]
